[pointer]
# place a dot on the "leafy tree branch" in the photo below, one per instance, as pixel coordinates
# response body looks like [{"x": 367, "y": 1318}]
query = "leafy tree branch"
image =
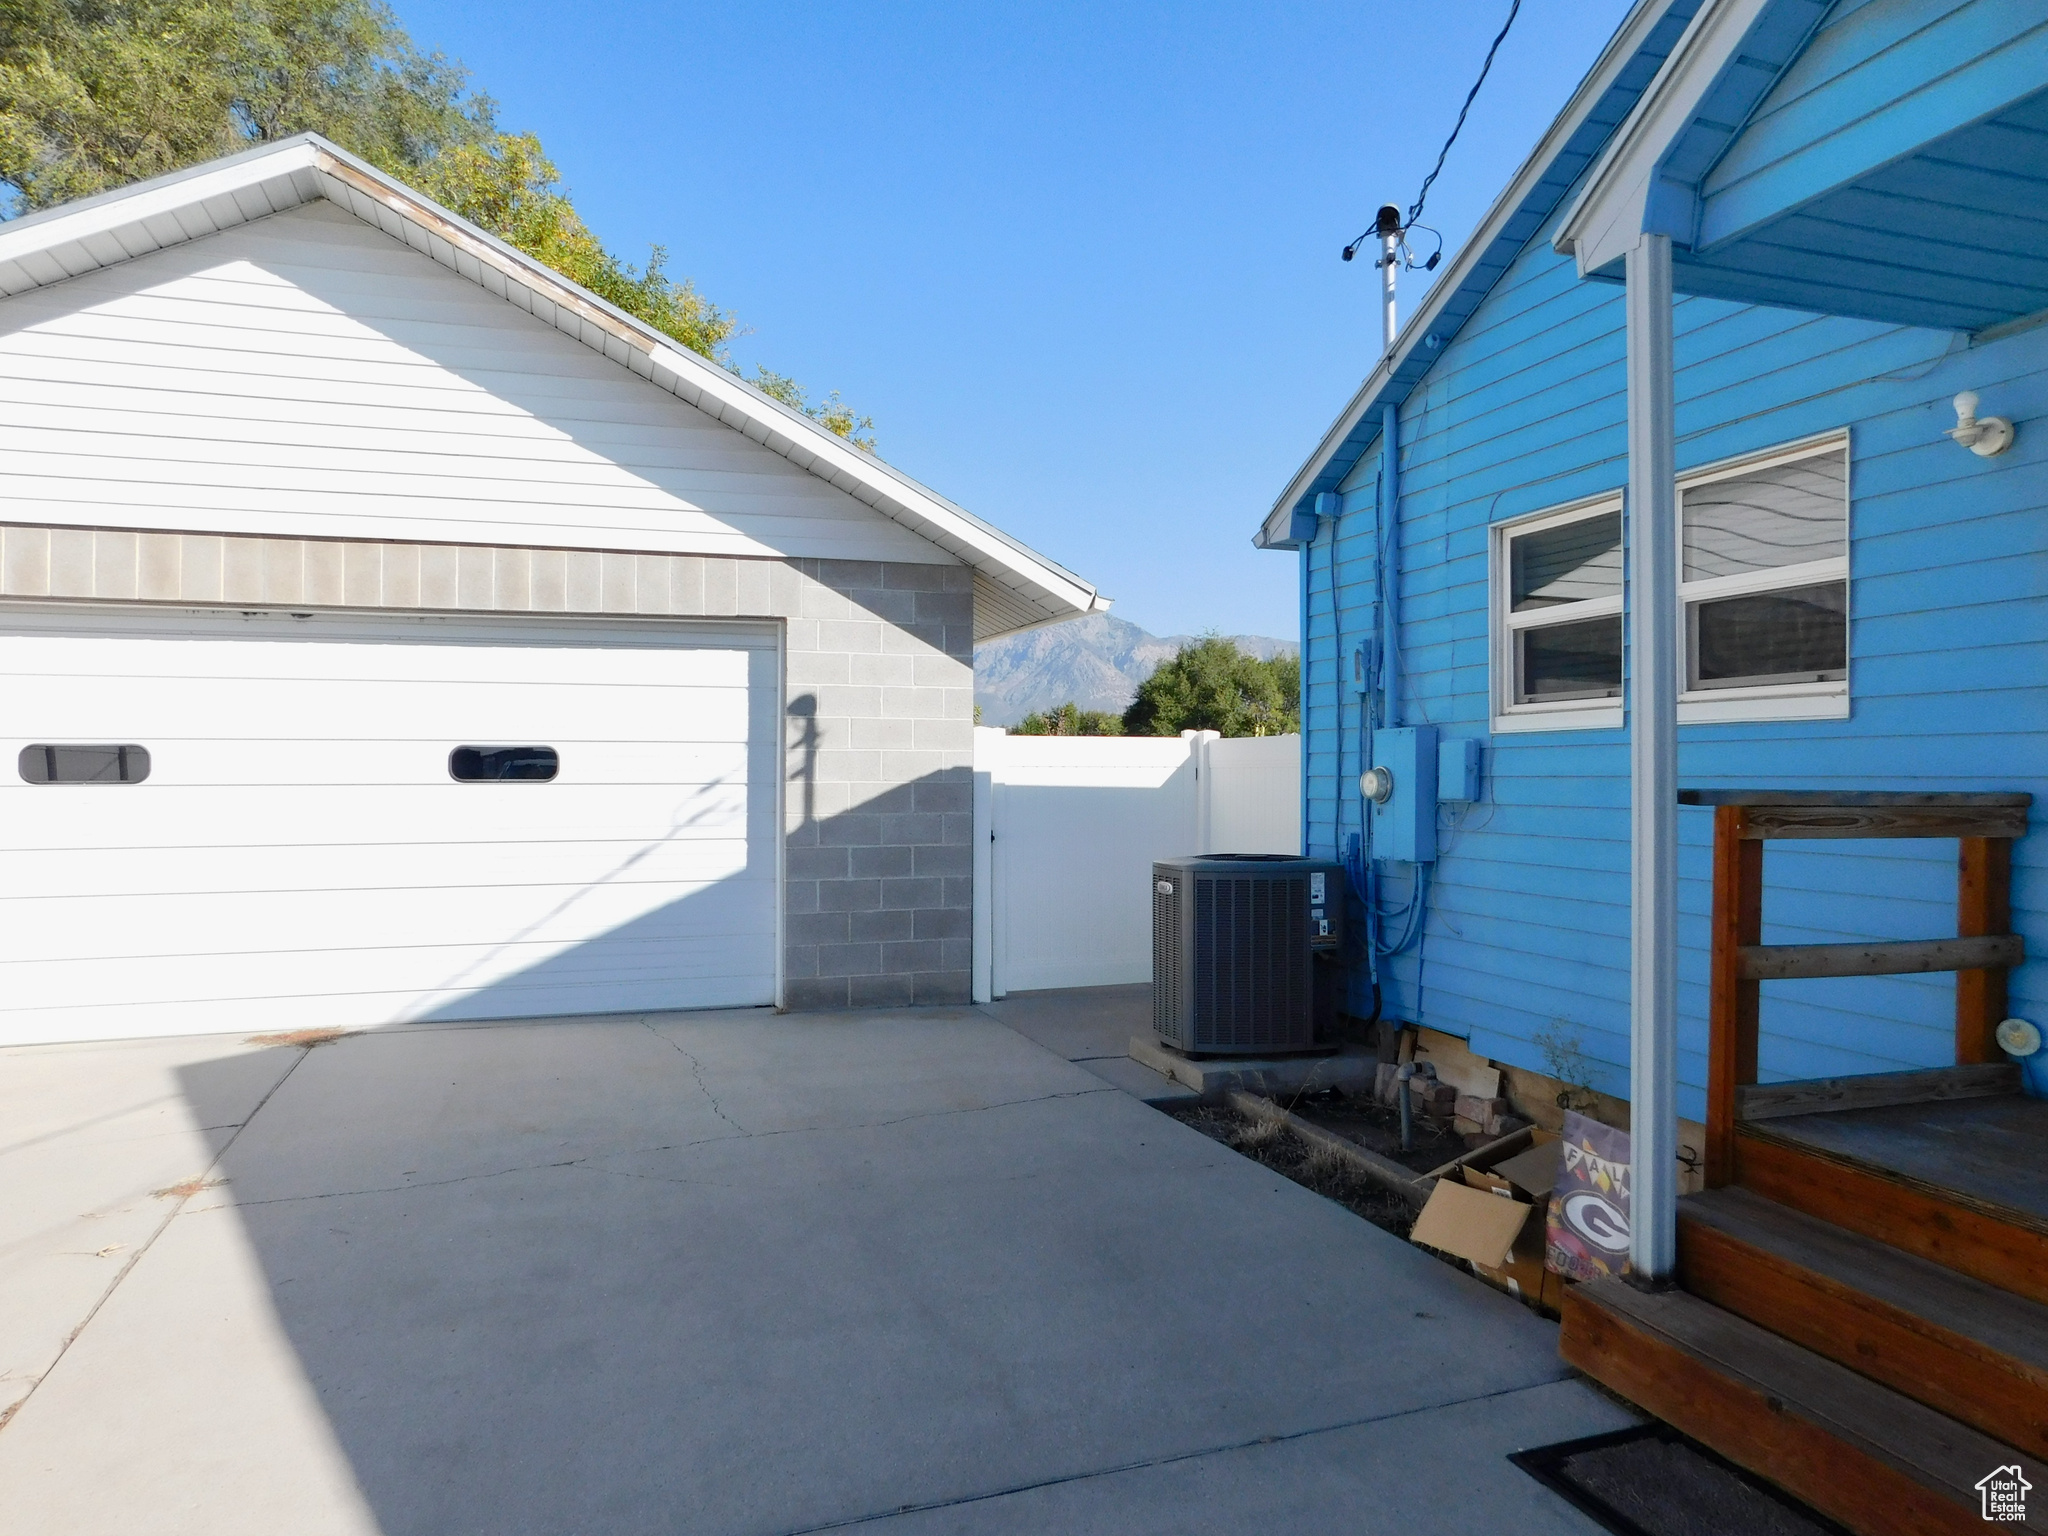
[{"x": 95, "y": 94}]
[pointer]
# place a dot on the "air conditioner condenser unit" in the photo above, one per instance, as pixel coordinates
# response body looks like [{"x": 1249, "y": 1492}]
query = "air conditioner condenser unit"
[{"x": 1235, "y": 945}]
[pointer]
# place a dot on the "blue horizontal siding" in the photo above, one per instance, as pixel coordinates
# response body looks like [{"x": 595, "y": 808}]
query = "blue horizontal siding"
[{"x": 1527, "y": 928}]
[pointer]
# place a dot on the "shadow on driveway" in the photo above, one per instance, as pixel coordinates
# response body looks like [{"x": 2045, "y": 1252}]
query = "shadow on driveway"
[{"x": 741, "y": 1273}]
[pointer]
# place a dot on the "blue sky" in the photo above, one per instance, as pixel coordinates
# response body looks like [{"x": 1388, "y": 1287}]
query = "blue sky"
[{"x": 1079, "y": 262}]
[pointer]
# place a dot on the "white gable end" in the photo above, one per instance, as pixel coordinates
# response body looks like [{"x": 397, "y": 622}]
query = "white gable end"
[{"x": 308, "y": 375}]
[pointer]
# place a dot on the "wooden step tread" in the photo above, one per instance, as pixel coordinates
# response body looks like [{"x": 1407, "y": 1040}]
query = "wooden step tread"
[
  {"x": 1955, "y": 1303},
  {"x": 1990, "y": 1152},
  {"x": 1998, "y": 1244},
  {"x": 1859, "y": 1452}
]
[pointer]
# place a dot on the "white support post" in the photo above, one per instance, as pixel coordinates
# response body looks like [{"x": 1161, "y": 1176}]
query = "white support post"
[
  {"x": 1653, "y": 767},
  {"x": 1205, "y": 789},
  {"x": 988, "y": 745}
]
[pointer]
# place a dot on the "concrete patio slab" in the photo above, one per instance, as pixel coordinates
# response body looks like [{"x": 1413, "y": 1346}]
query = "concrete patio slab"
[
  {"x": 1079, "y": 1023},
  {"x": 1440, "y": 1470},
  {"x": 740, "y": 1273},
  {"x": 1092, "y": 1026}
]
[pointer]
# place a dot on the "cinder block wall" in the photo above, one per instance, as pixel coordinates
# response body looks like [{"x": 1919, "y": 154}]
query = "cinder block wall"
[
  {"x": 879, "y": 700},
  {"x": 881, "y": 738}
]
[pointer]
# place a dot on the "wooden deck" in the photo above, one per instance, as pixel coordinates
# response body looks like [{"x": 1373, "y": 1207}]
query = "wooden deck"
[{"x": 1862, "y": 1308}]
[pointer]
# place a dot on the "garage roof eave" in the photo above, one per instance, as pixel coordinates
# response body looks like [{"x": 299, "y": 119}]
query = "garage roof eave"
[{"x": 110, "y": 227}]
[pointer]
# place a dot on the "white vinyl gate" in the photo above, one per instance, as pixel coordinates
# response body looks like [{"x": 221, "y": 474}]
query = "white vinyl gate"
[
  {"x": 300, "y": 854},
  {"x": 1067, "y": 827}
]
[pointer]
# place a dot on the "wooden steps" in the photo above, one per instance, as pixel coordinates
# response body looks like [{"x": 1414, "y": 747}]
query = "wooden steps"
[
  {"x": 1965, "y": 1348},
  {"x": 1997, "y": 1244},
  {"x": 1857, "y": 1451}
]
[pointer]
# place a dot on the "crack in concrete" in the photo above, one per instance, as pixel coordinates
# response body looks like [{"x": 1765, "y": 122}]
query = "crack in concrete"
[
  {"x": 697, "y": 1072},
  {"x": 177, "y": 1207},
  {"x": 1170, "y": 1459}
]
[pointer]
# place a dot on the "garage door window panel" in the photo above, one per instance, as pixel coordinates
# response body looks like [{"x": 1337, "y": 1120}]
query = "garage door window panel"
[
  {"x": 488, "y": 765},
  {"x": 50, "y": 763}
]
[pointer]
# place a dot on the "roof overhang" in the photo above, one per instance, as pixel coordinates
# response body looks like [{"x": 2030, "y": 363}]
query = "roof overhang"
[
  {"x": 1763, "y": 208},
  {"x": 1648, "y": 180},
  {"x": 1604, "y": 98},
  {"x": 1014, "y": 587}
]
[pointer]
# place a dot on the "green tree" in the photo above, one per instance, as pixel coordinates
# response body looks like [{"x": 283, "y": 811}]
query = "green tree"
[
  {"x": 831, "y": 412},
  {"x": 98, "y": 93},
  {"x": 1070, "y": 719},
  {"x": 1212, "y": 685},
  {"x": 508, "y": 185}
]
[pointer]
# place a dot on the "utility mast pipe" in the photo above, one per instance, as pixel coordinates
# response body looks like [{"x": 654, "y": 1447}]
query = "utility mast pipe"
[{"x": 1389, "y": 321}]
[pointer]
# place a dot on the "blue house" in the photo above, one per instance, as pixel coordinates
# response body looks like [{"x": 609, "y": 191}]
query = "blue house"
[
  {"x": 1865, "y": 601},
  {"x": 1684, "y": 477}
]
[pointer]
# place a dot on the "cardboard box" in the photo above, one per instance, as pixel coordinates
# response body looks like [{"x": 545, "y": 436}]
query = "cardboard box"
[{"x": 1489, "y": 1208}]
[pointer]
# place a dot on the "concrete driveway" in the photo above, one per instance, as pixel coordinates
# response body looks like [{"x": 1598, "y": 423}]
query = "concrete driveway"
[{"x": 907, "y": 1271}]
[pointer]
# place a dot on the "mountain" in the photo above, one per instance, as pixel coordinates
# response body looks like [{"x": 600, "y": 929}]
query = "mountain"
[{"x": 1097, "y": 661}]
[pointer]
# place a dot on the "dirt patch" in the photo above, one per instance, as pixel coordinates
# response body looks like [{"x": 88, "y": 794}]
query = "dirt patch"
[
  {"x": 1317, "y": 1168},
  {"x": 1377, "y": 1128},
  {"x": 302, "y": 1037}
]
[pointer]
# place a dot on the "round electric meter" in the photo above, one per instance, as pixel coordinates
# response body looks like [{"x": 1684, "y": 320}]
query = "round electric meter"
[{"x": 1377, "y": 785}]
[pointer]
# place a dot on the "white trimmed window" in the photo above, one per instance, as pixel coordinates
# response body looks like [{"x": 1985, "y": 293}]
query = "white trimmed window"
[
  {"x": 1763, "y": 585},
  {"x": 1557, "y": 618}
]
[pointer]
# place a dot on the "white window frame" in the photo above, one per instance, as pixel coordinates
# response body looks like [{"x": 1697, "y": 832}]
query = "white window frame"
[
  {"x": 1506, "y": 625},
  {"x": 1828, "y": 700}
]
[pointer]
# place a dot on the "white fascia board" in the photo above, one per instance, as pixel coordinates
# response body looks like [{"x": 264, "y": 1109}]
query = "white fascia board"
[
  {"x": 161, "y": 197},
  {"x": 1622, "y": 48},
  {"x": 1627, "y": 195},
  {"x": 273, "y": 177}
]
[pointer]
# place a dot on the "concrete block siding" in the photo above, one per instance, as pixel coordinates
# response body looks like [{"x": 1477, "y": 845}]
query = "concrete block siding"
[{"x": 879, "y": 702}]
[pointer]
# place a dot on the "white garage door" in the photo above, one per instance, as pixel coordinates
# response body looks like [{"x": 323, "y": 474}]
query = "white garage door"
[{"x": 292, "y": 848}]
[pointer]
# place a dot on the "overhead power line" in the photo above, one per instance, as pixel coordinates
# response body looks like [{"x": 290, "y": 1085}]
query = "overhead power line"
[{"x": 1415, "y": 210}]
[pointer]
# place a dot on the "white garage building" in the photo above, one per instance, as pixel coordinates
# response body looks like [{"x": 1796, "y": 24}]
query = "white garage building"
[{"x": 393, "y": 631}]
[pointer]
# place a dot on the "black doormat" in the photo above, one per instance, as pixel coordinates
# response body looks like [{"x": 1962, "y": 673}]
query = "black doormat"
[{"x": 1652, "y": 1481}]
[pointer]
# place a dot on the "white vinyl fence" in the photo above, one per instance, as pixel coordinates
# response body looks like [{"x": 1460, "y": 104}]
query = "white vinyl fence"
[{"x": 1067, "y": 827}]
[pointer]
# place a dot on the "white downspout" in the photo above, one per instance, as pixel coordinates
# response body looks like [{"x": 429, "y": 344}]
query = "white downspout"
[{"x": 1653, "y": 767}]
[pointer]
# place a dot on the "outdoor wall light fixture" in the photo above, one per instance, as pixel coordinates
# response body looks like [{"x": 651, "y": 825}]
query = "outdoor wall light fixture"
[{"x": 1984, "y": 436}]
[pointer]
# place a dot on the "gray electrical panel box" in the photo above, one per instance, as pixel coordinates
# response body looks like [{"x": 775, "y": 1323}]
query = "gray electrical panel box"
[{"x": 1234, "y": 944}]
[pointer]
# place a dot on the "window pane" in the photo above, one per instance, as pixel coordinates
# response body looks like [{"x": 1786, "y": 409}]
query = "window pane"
[
  {"x": 1800, "y": 635},
  {"x": 1566, "y": 564},
  {"x": 471, "y": 765},
  {"x": 49, "y": 764},
  {"x": 1785, "y": 515},
  {"x": 1569, "y": 661}
]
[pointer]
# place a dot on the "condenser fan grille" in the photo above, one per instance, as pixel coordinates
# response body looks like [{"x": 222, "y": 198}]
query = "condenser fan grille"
[{"x": 1232, "y": 962}]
